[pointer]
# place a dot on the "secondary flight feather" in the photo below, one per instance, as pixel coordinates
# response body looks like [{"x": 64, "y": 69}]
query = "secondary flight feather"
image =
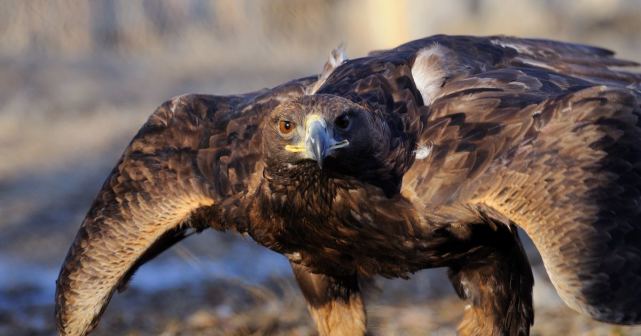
[{"x": 426, "y": 155}]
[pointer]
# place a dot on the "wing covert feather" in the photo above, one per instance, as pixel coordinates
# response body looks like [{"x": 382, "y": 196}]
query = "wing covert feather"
[
  {"x": 565, "y": 167},
  {"x": 576, "y": 189}
]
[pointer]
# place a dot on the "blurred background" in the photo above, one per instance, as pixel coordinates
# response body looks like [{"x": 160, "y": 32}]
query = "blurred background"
[{"x": 78, "y": 78}]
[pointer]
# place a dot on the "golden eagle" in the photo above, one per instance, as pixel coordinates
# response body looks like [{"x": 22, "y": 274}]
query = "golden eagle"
[{"x": 427, "y": 155}]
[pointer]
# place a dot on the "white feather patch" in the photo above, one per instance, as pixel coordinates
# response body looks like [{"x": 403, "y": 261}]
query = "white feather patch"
[
  {"x": 520, "y": 48},
  {"x": 534, "y": 63},
  {"x": 428, "y": 72},
  {"x": 423, "y": 151}
]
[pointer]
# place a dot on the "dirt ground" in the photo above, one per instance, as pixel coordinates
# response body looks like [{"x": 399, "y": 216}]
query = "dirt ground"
[{"x": 275, "y": 307}]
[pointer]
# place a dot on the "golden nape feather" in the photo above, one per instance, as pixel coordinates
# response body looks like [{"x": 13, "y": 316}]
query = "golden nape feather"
[{"x": 427, "y": 155}]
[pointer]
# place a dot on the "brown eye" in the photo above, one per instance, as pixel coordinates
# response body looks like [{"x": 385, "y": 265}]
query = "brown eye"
[
  {"x": 342, "y": 122},
  {"x": 286, "y": 126}
]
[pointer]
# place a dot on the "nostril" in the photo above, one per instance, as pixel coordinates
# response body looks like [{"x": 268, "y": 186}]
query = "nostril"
[{"x": 342, "y": 122}]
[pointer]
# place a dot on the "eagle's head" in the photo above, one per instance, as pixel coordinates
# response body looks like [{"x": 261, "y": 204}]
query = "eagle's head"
[{"x": 327, "y": 135}]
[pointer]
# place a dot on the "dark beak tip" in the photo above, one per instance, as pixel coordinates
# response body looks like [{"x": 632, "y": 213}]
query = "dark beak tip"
[{"x": 319, "y": 153}]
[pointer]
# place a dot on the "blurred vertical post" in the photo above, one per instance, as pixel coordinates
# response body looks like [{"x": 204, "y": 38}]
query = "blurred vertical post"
[
  {"x": 387, "y": 22},
  {"x": 104, "y": 24},
  {"x": 230, "y": 17},
  {"x": 374, "y": 24}
]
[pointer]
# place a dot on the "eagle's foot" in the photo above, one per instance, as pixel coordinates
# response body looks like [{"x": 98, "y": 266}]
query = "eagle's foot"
[{"x": 498, "y": 282}]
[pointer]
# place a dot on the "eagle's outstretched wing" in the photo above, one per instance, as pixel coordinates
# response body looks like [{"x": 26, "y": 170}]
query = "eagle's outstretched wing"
[
  {"x": 548, "y": 136},
  {"x": 193, "y": 152},
  {"x": 566, "y": 169}
]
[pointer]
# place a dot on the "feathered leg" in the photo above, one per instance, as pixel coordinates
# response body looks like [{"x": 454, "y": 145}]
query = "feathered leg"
[
  {"x": 335, "y": 303},
  {"x": 498, "y": 281}
]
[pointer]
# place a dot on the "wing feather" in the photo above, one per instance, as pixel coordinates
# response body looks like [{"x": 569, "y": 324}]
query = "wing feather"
[
  {"x": 564, "y": 167},
  {"x": 574, "y": 189}
]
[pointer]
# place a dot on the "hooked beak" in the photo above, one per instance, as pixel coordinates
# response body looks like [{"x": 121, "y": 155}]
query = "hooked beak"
[{"x": 317, "y": 141}]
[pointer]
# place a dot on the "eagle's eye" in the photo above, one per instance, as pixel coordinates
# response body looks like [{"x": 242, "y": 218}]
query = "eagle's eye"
[
  {"x": 285, "y": 126},
  {"x": 342, "y": 122}
]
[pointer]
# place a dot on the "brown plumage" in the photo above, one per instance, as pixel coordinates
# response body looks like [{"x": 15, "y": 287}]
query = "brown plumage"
[{"x": 426, "y": 155}]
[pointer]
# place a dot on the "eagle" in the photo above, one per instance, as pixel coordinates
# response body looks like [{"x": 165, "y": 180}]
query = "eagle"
[{"x": 430, "y": 154}]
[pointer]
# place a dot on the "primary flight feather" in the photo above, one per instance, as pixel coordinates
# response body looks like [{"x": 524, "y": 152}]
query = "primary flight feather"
[{"x": 426, "y": 155}]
